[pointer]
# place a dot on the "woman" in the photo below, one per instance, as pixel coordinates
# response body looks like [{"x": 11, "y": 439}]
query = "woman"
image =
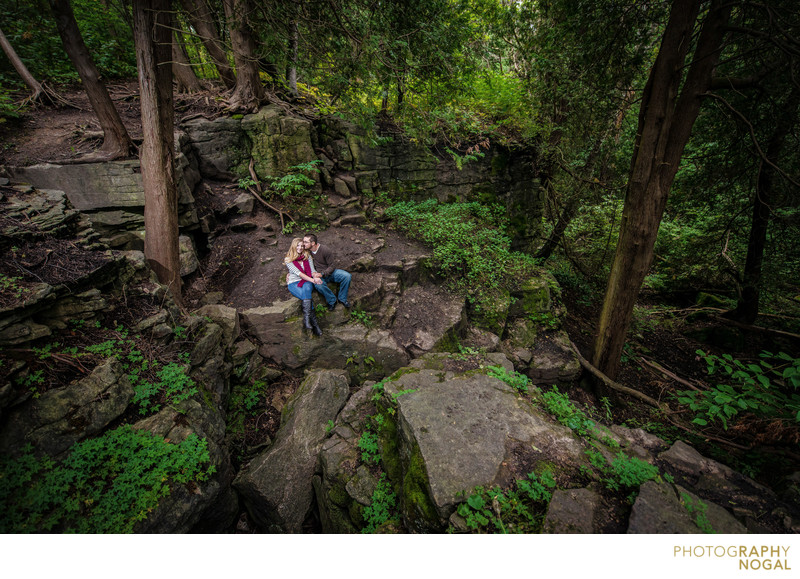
[{"x": 300, "y": 281}]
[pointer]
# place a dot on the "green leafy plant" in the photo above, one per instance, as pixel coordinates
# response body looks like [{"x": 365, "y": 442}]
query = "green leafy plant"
[
  {"x": 517, "y": 381},
  {"x": 382, "y": 508},
  {"x": 173, "y": 384},
  {"x": 697, "y": 509},
  {"x": 329, "y": 427},
  {"x": 370, "y": 447},
  {"x": 519, "y": 510},
  {"x": 623, "y": 472},
  {"x": 362, "y": 317},
  {"x": 104, "y": 485},
  {"x": 767, "y": 389},
  {"x": 566, "y": 412},
  {"x": 295, "y": 182},
  {"x": 468, "y": 240},
  {"x": 461, "y": 160}
]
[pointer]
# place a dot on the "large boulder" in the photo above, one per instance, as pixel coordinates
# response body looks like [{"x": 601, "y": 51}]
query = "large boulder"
[
  {"x": 277, "y": 485},
  {"x": 284, "y": 341},
  {"x": 210, "y": 505},
  {"x": 62, "y": 416},
  {"x": 459, "y": 431}
]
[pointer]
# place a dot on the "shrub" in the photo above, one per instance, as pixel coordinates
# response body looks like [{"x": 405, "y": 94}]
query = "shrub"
[
  {"x": 470, "y": 247},
  {"x": 767, "y": 389},
  {"x": 105, "y": 485}
]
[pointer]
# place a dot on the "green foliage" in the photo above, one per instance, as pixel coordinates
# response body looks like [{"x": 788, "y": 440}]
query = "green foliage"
[
  {"x": 560, "y": 406},
  {"x": 698, "y": 511},
  {"x": 382, "y": 508},
  {"x": 9, "y": 285},
  {"x": 519, "y": 510},
  {"x": 623, "y": 473},
  {"x": 31, "y": 30},
  {"x": 173, "y": 385},
  {"x": 295, "y": 183},
  {"x": 517, "y": 381},
  {"x": 767, "y": 389},
  {"x": 461, "y": 160},
  {"x": 469, "y": 245},
  {"x": 370, "y": 447},
  {"x": 360, "y": 316},
  {"x": 105, "y": 485},
  {"x": 378, "y": 389}
]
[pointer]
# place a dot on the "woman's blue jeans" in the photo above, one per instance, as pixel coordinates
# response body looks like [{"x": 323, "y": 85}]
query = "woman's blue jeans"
[{"x": 301, "y": 293}]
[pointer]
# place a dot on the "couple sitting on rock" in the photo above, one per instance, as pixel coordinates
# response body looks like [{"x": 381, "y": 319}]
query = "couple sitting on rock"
[{"x": 303, "y": 277}]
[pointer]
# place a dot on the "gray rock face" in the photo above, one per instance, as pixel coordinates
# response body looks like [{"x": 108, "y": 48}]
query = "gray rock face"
[
  {"x": 572, "y": 511},
  {"x": 458, "y": 428},
  {"x": 553, "y": 360},
  {"x": 279, "y": 328},
  {"x": 276, "y": 486},
  {"x": 660, "y": 508},
  {"x": 63, "y": 416},
  {"x": 427, "y": 335},
  {"x": 219, "y": 145}
]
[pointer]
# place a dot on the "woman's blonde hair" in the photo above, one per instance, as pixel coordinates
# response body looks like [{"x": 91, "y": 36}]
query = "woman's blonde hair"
[{"x": 292, "y": 254}]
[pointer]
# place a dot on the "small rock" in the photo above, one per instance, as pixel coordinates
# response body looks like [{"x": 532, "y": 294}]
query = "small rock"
[{"x": 244, "y": 226}]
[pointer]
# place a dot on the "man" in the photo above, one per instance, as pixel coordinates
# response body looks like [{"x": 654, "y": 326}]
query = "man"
[{"x": 325, "y": 264}]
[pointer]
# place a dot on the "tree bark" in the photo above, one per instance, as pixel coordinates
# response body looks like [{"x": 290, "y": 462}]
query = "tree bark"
[
  {"x": 202, "y": 20},
  {"x": 182, "y": 68},
  {"x": 152, "y": 23},
  {"x": 747, "y": 306},
  {"x": 668, "y": 112},
  {"x": 249, "y": 92},
  {"x": 291, "y": 75},
  {"x": 19, "y": 66},
  {"x": 116, "y": 142}
]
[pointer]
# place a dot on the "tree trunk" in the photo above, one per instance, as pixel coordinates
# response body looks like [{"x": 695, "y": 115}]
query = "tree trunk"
[
  {"x": 564, "y": 219},
  {"x": 202, "y": 20},
  {"x": 746, "y": 309},
  {"x": 182, "y": 68},
  {"x": 152, "y": 22},
  {"x": 668, "y": 112},
  {"x": 249, "y": 92},
  {"x": 19, "y": 66},
  {"x": 116, "y": 141},
  {"x": 291, "y": 77}
]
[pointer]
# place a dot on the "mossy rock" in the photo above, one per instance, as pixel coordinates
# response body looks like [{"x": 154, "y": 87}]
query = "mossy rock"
[
  {"x": 493, "y": 314},
  {"x": 534, "y": 296}
]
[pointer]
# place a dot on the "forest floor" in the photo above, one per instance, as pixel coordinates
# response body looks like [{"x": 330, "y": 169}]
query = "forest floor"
[{"x": 241, "y": 265}]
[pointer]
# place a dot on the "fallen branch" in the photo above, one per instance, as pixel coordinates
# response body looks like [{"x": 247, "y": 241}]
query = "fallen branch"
[
  {"x": 261, "y": 199},
  {"x": 664, "y": 407},
  {"x": 617, "y": 386},
  {"x": 669, "y": 374},
  {"x": 757, "y": 328},
  {"x": 275, "y": 209}
]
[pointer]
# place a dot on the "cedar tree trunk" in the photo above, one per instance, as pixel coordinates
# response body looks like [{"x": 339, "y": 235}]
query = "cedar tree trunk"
[
  {"x": 202, "y": 20},
  {"x": 291, "y": 75},
  {"x": 670, "y": 105},
  {"x": 182, "y": 68},
  {"x": 20, "y": 67},
  {"x": 152, "y": 32},
  {"x": 747, "y": 307},
  {"x": 249, "y": 92},
  {"x": 116, "y": 142}
]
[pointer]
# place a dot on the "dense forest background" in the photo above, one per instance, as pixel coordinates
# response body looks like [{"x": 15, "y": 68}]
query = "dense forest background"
[{"x": 666, "y": 135}]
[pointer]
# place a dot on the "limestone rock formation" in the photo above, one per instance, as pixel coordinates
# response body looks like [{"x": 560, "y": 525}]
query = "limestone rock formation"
[{"x": 276, "y": 485}]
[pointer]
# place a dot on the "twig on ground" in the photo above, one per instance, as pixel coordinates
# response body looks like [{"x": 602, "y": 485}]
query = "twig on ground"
[{"x": 669, "y": 374}]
